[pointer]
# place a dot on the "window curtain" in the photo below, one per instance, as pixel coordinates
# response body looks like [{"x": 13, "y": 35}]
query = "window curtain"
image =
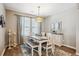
[
  {"x": 26, "y": 26},
  {"x": 19, "y": 28}
]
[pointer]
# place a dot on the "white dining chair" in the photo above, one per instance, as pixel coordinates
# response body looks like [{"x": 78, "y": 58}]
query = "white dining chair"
[
  {"x": 43, "y": 33},
  {"x": 49, "y": 44}
]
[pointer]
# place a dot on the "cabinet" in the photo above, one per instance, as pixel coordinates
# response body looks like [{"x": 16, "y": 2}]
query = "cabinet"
[{"x": 58, "y": 39}]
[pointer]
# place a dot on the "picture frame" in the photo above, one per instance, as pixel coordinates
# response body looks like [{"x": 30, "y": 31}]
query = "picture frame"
[{"x": 2, "y": 22}]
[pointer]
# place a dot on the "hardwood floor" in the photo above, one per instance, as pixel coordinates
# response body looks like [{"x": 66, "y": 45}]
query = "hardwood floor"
[
  {"x": 13, "y": 52},
  {"x": 67, "y": 49},
  {"x": 17, "y": 51}
]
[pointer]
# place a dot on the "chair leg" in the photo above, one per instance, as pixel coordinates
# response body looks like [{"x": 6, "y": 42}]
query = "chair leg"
[
  {"x": 46, "y": 52},
  {"x": 32, "y": 51},
  {"x": 53, "y": 49}
]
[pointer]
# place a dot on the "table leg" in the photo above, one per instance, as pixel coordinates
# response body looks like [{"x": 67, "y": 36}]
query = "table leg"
[{"x": 39, "y": 49}]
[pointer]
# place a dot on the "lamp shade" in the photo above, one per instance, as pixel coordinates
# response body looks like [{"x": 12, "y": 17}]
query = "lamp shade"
[{"x": 39, "y": 19}]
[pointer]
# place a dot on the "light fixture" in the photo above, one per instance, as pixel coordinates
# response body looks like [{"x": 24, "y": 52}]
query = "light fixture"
[{"x": 39, "y": 18}]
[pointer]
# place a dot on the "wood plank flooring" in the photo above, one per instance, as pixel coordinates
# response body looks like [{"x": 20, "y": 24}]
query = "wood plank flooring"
[
  {"x": 18, "y": 52},
  {"x": 67, "y": 49},
  {"x": 13, "y": 52}
]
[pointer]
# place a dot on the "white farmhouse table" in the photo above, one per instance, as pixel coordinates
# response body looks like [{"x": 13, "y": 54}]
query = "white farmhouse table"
[{"x": 40, "y": 40}]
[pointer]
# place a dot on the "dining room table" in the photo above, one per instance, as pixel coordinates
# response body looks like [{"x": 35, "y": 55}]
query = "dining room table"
[{"x": 40, "y": 40}]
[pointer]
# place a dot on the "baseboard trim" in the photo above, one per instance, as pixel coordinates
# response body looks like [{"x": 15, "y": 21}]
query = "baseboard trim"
[
  {"x": 77, "y": 53},
  {"x": 3, "y": 51},
  {"x": 69, "y": 46}
]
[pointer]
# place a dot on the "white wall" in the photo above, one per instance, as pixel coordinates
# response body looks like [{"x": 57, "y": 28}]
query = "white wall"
[
  {"x": 11, "y": 22},
  {"x": 77, "y": 37},
  {"x": 77, "y": 34},
  {"x": 2, "y": 31},
  {"x": 68, "y": 18}
]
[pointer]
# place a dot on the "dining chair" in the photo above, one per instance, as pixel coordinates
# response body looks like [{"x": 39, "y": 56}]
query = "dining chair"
[
  {"x": 49, "y": 44},
  {"x": 43, "y": 33}
]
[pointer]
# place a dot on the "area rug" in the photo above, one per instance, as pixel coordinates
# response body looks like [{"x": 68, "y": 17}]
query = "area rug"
[
  {"x": 58, "y": 52},
  {"x": 25, "y": 50}
]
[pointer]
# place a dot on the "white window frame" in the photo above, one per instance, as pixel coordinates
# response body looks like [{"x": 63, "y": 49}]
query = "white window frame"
[{"x": 30, "y": 26}]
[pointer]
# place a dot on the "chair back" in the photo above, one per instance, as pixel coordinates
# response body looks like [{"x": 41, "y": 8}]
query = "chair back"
[
  {"x": 43, "y": 33},
  {"x": 50, "y": 39}
]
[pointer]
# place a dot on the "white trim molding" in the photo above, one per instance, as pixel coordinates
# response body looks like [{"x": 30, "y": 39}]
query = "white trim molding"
[
  {"x": 77, "y": 53},
  {"x": 69, "y": 46},
  {"x": 3, "y": 52}
]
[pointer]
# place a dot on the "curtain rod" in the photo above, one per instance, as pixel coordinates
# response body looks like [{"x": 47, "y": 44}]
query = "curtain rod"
[{"x": 25, "y": 15}]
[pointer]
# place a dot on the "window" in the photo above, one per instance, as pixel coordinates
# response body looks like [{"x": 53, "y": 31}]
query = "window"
[
  {"x": 25, "y": 23},
  {"x": 35, "y": 27},
  {"x": 29, "y": 26}
]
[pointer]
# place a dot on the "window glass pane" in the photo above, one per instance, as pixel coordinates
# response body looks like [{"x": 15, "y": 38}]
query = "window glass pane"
[
  {"x": 25, "y": 26},
  {"x": 35, "y": 27},
  {"x": 26, "y": 23}
]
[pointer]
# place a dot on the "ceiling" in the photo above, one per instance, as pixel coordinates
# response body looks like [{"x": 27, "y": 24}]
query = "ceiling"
[{"x": 46, "y": 9}]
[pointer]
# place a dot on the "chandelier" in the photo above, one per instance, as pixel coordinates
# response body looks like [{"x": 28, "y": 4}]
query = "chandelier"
[{"x": 39, "y": 18}]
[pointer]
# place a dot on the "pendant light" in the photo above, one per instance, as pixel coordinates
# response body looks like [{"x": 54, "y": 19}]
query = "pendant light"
[{"x": 39, "y": 18}]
